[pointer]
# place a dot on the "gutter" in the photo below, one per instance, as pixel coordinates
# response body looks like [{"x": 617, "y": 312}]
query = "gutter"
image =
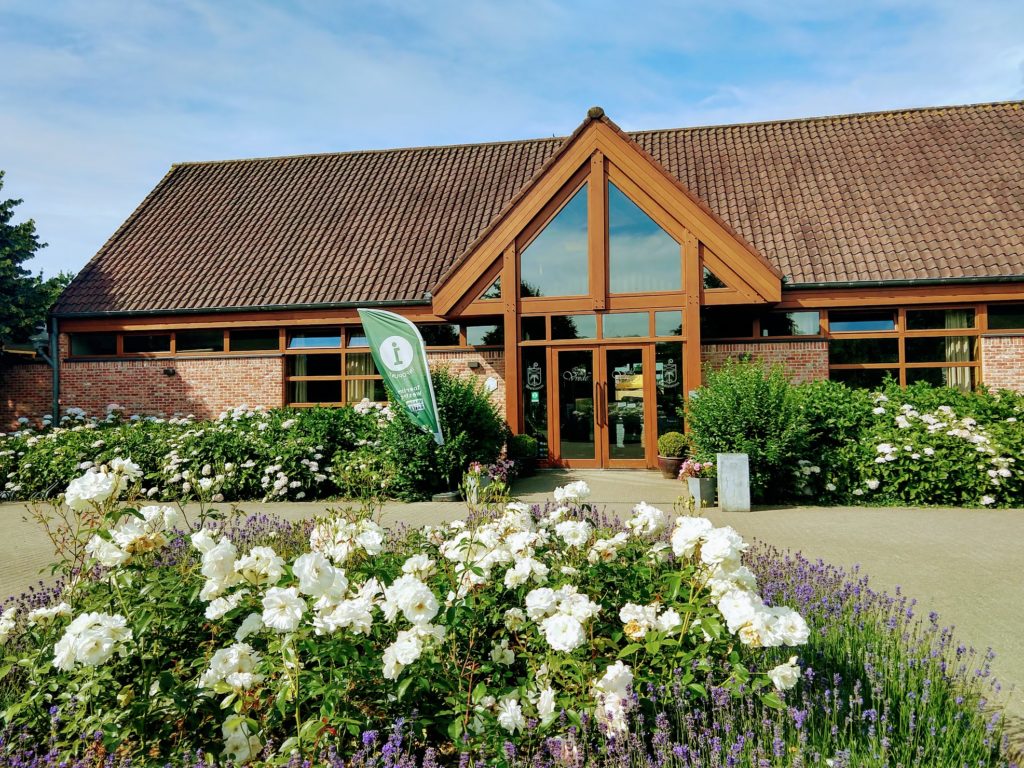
[
  {"x": 260, "y": 308},
  {"x": 902, "y": 283}
]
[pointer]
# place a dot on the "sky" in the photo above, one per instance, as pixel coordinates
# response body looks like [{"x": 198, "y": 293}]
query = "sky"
[{"x": 100, "y": 97}]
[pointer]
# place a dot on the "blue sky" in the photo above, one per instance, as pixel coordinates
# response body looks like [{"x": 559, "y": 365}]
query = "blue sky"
[{"x": 99, "y": 97}]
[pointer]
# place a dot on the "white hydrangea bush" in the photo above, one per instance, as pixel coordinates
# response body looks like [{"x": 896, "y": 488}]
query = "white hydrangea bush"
[{"x": 480, "y": 625}]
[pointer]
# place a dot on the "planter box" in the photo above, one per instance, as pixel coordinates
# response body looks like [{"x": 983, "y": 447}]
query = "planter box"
[
  {"x": 669, "y": 466},
  {"x": 702, "y": 491}
]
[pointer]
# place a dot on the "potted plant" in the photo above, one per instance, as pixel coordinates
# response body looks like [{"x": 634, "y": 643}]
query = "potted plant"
[
  {"x": 672, "y": 448},
  {"x": 523, "y": 450},
  {"x": 700, "y": 482}
]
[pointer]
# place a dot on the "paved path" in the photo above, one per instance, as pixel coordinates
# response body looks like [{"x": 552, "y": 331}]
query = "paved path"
[{"x": 966, "y": 564}]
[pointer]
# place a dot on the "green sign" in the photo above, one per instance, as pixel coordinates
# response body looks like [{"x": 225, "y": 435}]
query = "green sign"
[{"x": 401, "y": 357}]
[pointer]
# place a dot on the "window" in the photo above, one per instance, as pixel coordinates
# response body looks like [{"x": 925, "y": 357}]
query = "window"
[
  {"x": 534, "y": 328},
  {"x": 89, "y": 344},
  {"x": 256, "y": 340},
  {"x": 1006, "y": 317},
  {"x": 493, "y": 292},
  {"x": 863, "y": 351},
  {"x": 354, "y": 337},
  {"x": 332, "y": 377},
  {"x": 626, "y": 324},
  {"x": 791, "y": 324},
  {"x": 574, "y": 327},
  {"x": 865, "y": 378},
  {"x": 535, "y": 396},
  {"x": 485, "y": 335},
  {"x": 939, "y": 319},
  {"x": 642, "y": 257},
  {"x": 555, "y": 263},
  {"x": 312, "y": 338},
  {"x": 439, "y": 335},
  {"x": 941, "y": 349},
  {"x": 136, "y": 344},
  {"x": 668, "y": 378},
  {"x": 314, "y": 365},
  {"x": 668, "y": 323},
  {"x": 959, "y": 377},
  {"x": 861, "y": 321},
  {"x": 711, "y": 280},
  {"x": 725, "y": 323},
  {"x": 314, "y": 392},
  {"x": 199, "y": 341}
]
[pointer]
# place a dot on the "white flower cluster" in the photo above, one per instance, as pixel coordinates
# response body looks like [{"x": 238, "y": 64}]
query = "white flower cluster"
[
  {"x": 90, "y": 640},
  {"x": 612, "y": 693},
  {"x": 561, "y": 615},
  {"x": 7, "y": 623},
  {"x": 136, "y": 535},
  {"x": 338, "y": 538},
  {"x": 235, "y": 666},
  {"x": 100, "y": 484},
  {"x": 641, "y": 619}
]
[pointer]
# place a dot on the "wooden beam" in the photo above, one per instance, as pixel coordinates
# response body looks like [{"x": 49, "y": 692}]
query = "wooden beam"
[
  {"x": 509, "y": 294},
  {"x": 597, "y": 231},
  {"x": 897, "y": 295},
  {"x": 692, "y": 280}
]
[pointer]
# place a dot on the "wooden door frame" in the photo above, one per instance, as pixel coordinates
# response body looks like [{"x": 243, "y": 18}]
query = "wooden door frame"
[
  {"x": 554, "y": 405},
  {"x": 646, "y": 350}
]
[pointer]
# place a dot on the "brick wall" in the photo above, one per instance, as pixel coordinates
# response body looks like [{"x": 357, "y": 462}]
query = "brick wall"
[
  {"x": 26, "y": 389},
  {"x": 201, "y": 386},
  {"x": 492, "y": 364},
  {"x": 1002, "y": 361},
  {"x": 802, "y": 360}
]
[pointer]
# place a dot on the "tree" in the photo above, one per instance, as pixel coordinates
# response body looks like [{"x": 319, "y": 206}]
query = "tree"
[{"x": 24, "y": 298}]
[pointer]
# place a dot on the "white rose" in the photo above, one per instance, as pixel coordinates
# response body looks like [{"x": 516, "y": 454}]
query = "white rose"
[
  {"x": 106, "y": 553},
  {"x": 283, "y": 609},
  {"x": 647, "y": 521},
  {"x": 515, "y": 619},
  {"x": 546, "y": 703},
  {"x": 510, "y": 715},
  {"x": 540, "y": 603},
  {"x": 250, "y": 625},
  {"x": 575, "y": 533},
  {"x": 240, "y": 746},
  {"x": 785, "y": 676},
  {"x": 616, "y": 680},
  {"x": 572, "y": 493},
  {"x": 563, "y": 632},
  {"x": 688, "y": 533},
  {"x": 90, "y": 489},
  {"x": 722, "y": 546},
  {"x": 317, "y": 577},
  {"x": 501, "y": 653}
]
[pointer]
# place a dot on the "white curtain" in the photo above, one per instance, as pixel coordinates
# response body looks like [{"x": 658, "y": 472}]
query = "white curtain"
[{"x": 958, "y": 350}]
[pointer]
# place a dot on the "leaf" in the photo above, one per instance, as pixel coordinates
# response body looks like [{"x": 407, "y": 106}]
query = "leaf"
[
  {"x": 772, "y": 700},
  {"x": 479, "y": 692},
  {"x": 629, "y": 649},
  {"x": 455, "y": 730},
  {"x": 699, "y": 689},
  {"x": 403, "y": 687}
]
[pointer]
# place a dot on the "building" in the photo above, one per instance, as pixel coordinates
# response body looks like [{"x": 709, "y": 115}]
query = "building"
[{"x": 589, "y": 277}]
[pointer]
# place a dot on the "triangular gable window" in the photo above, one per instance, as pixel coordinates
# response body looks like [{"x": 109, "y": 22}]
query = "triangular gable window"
[
  {"x": 555, "y": 263},
  {"x": 711, "y": 280},
  {"x": 494, "y": 291},
  {"x": 642, "y": 257}
]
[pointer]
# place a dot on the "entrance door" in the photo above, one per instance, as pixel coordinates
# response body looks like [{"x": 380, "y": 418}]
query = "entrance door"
[{"x": 599, "y": 409}]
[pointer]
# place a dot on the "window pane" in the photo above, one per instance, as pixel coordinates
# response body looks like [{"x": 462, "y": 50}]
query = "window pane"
[
  {"x": 356, "y": 337},
  {"x": 621, "y": 325},
  {"x": 485, "y": 335},
  {"x": 845, "y": 351},
  {"x": 961, "y": 378},
  {"x": 555, "y": 263},
  {"x": 199, "y": 341},
  {"x": 359, "y": 364},
  {"x": 314, "y": 365},
  {"x": 939, "y": 319},
  {"x": 941, "y": 349},
  {"x": 314, "y": 391},
  {"x": 791, "y": 324},
  {"x": 534, "y": 329},
  {"x": 255, "y": 340},
  {"x": 711, "y": 280},
  {"x": 314, "y": 337},
  {"x": 642, "y": 257},
  {"x": 93, "y": 344},
  {"x": 439, "y": 335},
  {"x": 574, "y": 327},
  {"x": 865, "y": 378},
  {"x": 494, "y": 292},
  {"x": 668, "y": 377},
  {"x": 668, "y": 323},
  {"x": 844, "y": 321},
  {"x": 535, "y": 396},
  {"x": 1002, "y": 316},
  {"x": 369, "y": 389},
  {"x": 725, "y": 323},
  {"x": 147, "y": 343}
]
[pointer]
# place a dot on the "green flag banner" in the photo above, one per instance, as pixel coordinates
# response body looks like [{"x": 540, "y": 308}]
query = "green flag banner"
[{"x": 401, "y": 358}]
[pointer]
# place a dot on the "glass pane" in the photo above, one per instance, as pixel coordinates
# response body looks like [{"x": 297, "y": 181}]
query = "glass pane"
[
  {"x": 199, "y": 341},
  {"x": 844, "y": 351},
  {"x": 356, "y": 337},
  {"x": 255, "y": 340},
  {"x": 626, "y": 324},
  {"x": 314, "y": 365},
  {"x": 668, "y": 375},
  {"x": 535, "y": 396},
  {"x": 791, "y": 324},
  {"x": 314, "y": 337},
  {"x": 534, "y": 329},
  {"x": 864, "y": 378},
  {"x": 93, "y": 344},
  {"x": 668, "y": 323},
  {"x": 961, "y": 378},
  {"x": 555, "y": 263},
  {"x": 725, "y": 323},
  {"x": 711, "y": 280},
  {"x": 844, "y": 321},
  {"x": 485, "y": 335},
  {"x": 941, "y": 349},
  {"x": 368, "y": 389},
  {"x": 1003, "y": 316},
  {"x": 494, "y": 292},
  {"x": 576, "y": 404},
  {"x": 574, "y": 327},
  {"x": 147, "y": 343},
  {"x": 314, "y": 391},
  {"x": 939, "y": 319},
  {"x": 642, "y": 257},
  {"x": 438, "y": 335},
  {"x": 359, "y": 364},
  {"x": 625, "y": 404}
]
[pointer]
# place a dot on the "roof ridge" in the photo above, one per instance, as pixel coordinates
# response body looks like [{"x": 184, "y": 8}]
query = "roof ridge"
[
  {"x": 841, "y": 116},
  {"x": 378, "y": 151}
]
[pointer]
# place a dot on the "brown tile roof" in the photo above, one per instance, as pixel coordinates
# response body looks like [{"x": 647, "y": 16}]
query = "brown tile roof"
[{"x": 915, "y": 194}]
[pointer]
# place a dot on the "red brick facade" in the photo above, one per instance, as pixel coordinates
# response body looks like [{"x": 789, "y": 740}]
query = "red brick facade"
[
  {"x": 1002, "y": 361},
  {"x": 491, "y": 365},
  {"x": 26, "y": 389},
  {"x": 802, "y": 360}
]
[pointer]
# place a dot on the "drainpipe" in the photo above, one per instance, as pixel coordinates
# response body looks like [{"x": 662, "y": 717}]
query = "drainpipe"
[{"x": 55, "y": 365}]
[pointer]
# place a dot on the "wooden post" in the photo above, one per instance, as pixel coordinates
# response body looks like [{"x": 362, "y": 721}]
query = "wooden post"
[
  {"x": 693, "y": 283},
  {"x": 597, "y": 231},
  {"x": 509, "y": 294}
]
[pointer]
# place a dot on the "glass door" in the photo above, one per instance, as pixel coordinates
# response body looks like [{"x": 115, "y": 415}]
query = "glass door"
[
  {"x": 623, "y": 408},
  {"x": 576, "y": 417}
]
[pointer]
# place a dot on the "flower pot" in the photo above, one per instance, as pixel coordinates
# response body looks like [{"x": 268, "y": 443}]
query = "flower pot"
[
  {"x": 669, "y": 466},
  {"x": 702, "y": 491}
]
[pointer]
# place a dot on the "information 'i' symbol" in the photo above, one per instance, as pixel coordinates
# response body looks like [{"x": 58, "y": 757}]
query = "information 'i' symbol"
[{"x": 398, "y": 353}]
